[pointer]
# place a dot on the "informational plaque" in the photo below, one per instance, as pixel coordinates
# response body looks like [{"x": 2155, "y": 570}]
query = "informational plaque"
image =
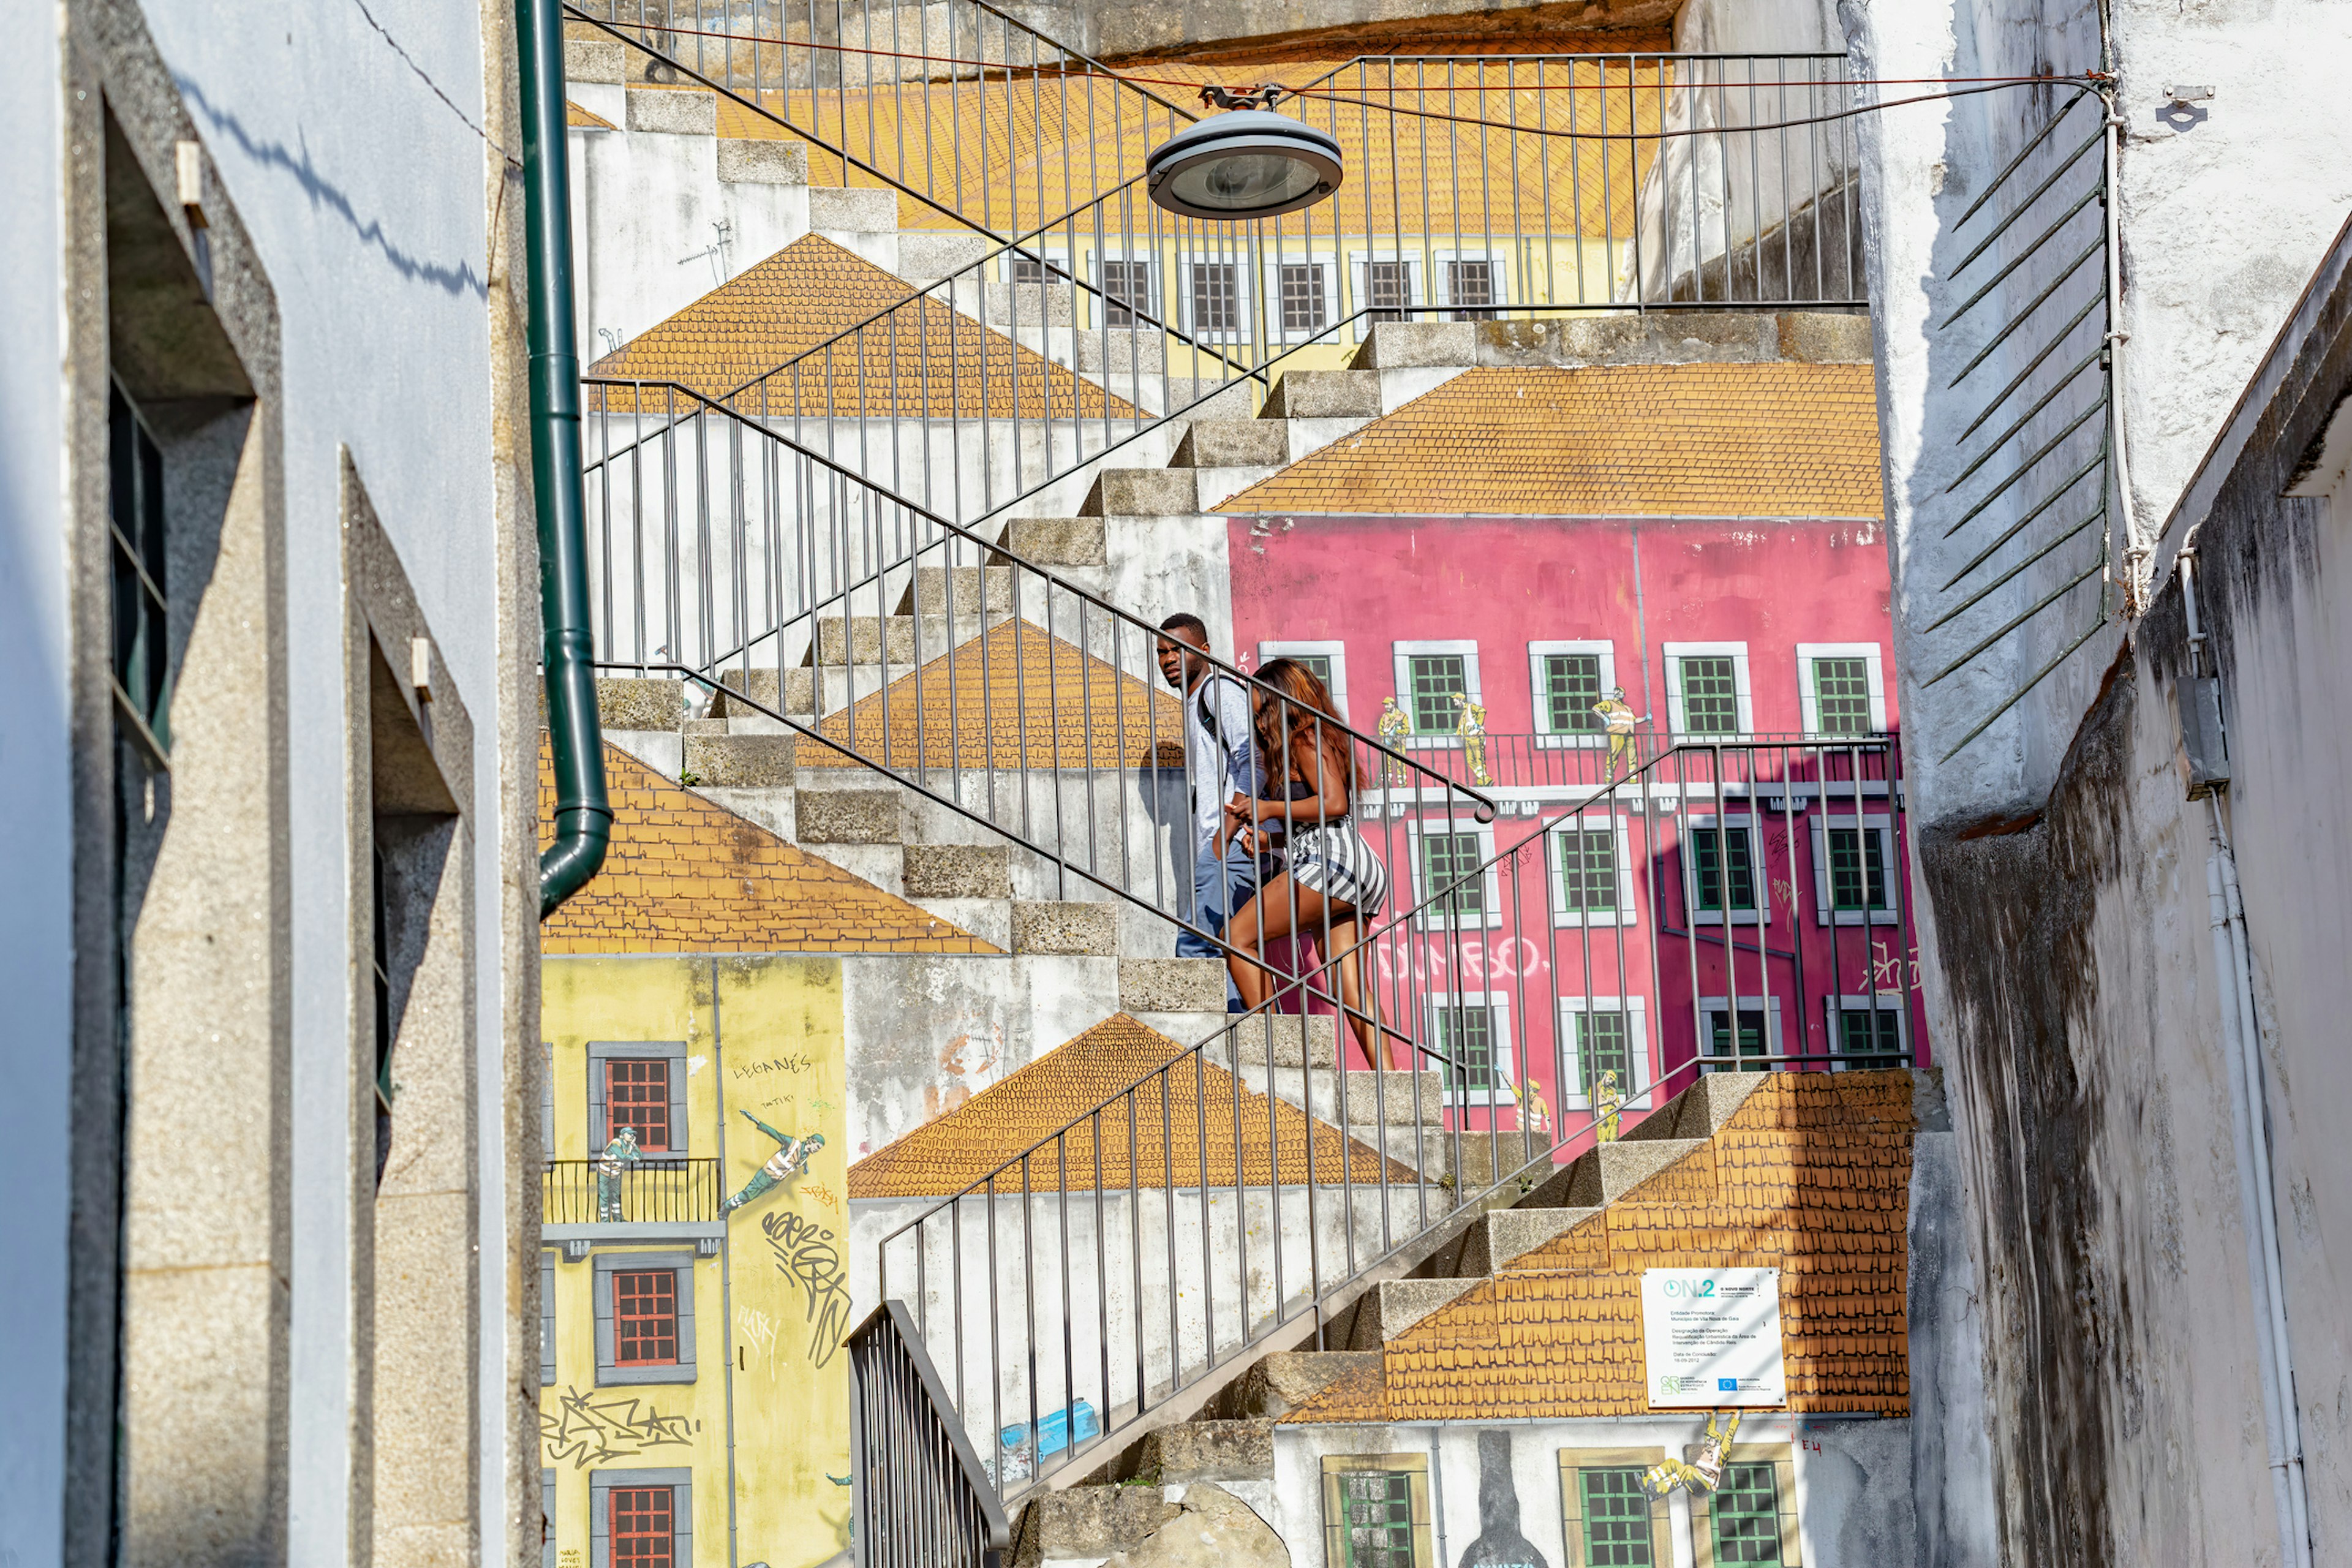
[{"x": 1711, "y": 1336}]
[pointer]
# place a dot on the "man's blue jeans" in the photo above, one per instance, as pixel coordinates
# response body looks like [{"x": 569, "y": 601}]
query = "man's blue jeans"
[{"x": 1219, "y": 888}]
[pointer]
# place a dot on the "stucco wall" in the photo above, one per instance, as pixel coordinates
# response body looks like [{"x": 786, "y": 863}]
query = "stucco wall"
[
  {"x": 763, "y": 1036},
  {"x": 36, "y": 830}
]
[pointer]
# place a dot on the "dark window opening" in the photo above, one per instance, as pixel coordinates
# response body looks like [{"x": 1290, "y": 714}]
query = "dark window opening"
[
  {"x": 636, "y": 1094},
  {"x": 645, "y": 1318},
  {"x": 141, "y": 611}
]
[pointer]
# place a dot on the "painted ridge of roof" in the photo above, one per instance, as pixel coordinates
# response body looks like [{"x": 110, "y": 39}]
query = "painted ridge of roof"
[
  {"x": 1696, "y": 439},
  {"x": 1016, "y": 697},
  {"x": 1054, "y": 1094},
  {"x": 1557, "y": 1332},
  {"x": 684, "y": 874},
  {"x": 580, "y": 118}
]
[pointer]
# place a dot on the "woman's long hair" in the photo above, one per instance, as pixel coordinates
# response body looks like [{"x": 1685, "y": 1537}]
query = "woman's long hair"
[{"x": 1296, "y": 715}]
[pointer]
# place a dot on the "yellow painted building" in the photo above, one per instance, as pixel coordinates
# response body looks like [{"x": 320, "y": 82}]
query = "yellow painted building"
[{"x": 695, "y": 1387}]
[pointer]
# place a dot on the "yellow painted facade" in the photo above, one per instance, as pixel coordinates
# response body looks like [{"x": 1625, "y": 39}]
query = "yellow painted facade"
[{"x": 763, "y": 1423}]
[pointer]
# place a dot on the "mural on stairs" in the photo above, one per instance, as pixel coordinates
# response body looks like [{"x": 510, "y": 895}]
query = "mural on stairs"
[{"x": 1500, "y": 1543}]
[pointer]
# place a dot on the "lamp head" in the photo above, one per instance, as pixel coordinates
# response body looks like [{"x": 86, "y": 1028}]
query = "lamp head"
[{"x": 1245, "y": 164}]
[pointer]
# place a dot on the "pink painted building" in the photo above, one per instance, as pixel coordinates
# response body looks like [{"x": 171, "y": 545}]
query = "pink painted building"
[{"x": 1745, "y": 897}]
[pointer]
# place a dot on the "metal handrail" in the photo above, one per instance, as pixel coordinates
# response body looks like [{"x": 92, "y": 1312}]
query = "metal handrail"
[
  {"x": 917, "y": 1491},
  {"x": 1014, "y": 1179},
  {"x": 950, "y": 530}
]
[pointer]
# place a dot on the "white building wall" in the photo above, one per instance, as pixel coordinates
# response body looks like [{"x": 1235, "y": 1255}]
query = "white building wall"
[
  {"x": 37, "y": 818},
  {"x": 356, "y": 145}
]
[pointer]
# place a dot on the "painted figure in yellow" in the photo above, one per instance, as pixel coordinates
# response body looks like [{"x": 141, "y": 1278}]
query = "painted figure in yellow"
[
  {"x": 791, "y": 1158},
  {"x": 619, "y": 1154},
  {"x": 1471, "y": 725},
  {"x": 1393, "y": 728},
  {"x": 1610, "y": 1101},
  {"x": 1617, "y": 716},
  {"x": 1535, "y": 1115},
  {"x": 1704, "y": 1471}
]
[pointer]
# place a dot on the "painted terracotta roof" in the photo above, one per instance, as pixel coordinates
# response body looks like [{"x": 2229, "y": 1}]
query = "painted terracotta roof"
[
  {"x": 1706, "y": 440},
  {"x": 580, "y": 118},
  {"x": 1032, "y": 143},
  {"x": 686, "y": 875},
  {"x": 930, "y": 360},
  {"x": 944, "y": 1157},
  {"x": 1811, "y": 1175},
  {"x": 1017, "y": 697}
]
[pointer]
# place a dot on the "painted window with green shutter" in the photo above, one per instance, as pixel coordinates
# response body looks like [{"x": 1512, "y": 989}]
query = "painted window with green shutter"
[
  {"x": 1710, "y": 694},
  {"x": 1437, "y": 678},
  {"x": 1571, "y": 687},
  {"x": 1841, "y": 696},
  {"x": 1376, "y": 1511},
  {"x": 1743, "y": 1516},
  {"x": 1616, "y": 1523},
  {"x": 1584, "y": 873},
  {"x": 1450, "y": 877}
]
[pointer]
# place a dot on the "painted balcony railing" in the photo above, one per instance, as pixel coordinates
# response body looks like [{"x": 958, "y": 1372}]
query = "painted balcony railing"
[
  {"x": 1580, "y": 758},
  {"x": 650, "y": 1191}
]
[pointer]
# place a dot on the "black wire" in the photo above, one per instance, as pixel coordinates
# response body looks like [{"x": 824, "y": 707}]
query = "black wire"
[{"x": 2080, "y": 86}]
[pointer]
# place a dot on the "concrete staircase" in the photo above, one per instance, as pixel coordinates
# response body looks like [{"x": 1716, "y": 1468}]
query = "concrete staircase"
[{"x": 1223, "y": 1430}]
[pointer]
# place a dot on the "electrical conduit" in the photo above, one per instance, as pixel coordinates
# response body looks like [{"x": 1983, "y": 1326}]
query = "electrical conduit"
[
  {"x": 2249, "y": 1128},
  {"x": 583, "y": 817}
]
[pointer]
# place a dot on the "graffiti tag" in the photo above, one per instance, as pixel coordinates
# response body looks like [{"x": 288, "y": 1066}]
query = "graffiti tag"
[
  {"x": 806, "y": 1253},
  {"x": 759, "y": 1332},
  {"x": 587, "y": 1428},
  {"x": 793, "y": 1061},
  {"x": 823, "y": 1195}
]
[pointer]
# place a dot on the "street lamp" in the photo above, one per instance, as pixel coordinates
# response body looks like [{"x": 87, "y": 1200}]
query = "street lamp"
[{"x": 1245, "y": 163}]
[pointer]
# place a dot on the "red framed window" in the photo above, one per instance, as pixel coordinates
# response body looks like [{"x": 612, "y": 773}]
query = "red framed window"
[
  {"x": 644, "y": 1527},
  {"x": 645, "y": 1318},
  {"x": 636, "y": 1094}
]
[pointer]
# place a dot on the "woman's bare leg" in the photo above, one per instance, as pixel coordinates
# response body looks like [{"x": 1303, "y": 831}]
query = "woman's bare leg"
[
  {"x": 1282, "y": 907},
  {"x": 1363, "y": 1005}
]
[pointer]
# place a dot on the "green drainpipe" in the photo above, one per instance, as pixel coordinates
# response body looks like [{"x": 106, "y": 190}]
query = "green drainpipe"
[{"x": 582, "y": 816}]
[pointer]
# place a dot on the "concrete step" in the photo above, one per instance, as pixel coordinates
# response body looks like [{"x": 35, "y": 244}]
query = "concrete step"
[
  {"x": 1056, "y": 540},
  {"x": 1028, "y": 304},
  {"x": 967, "y": 592},
  {"x": 1290, "y": 1039},
  {"x": 1608, "y": 1173},
  {"x": 738, "y": 761},
  {"x": 1120, "y": 356},
  {"x": 955, "y": 871},
  {"x": 1221, "y": 1451},
  {"x": 1699, "y": 1111},
  {"x": 926, "y": 256},
  {"x": 1171, "y": 985},
  {"x": 796, "y": 695},
  {"x": 849, "y": 817},
  {"x": 1232, "y": 443},
  {"x": 1417, "y": 345},
  {"x": 629, "y": 703},
  {"x": 1066, "y": 926},
  {"x": 853, "y": 209},
  {"x": 1501, "y": 1235},
  {"x": 1142, "y": 492},
  {"x": 1276, "y": 1385},
  {"x": 1087, "y": 1522},
  {"x": 862, "y": 639},
  {"x": 1392, "y": 1305},
  {"x": 1214, "y": 486},
  {"x": 1324, "y": 395},
  {"x": 1373, "y": 1099},
  {"x": 703, "y": 727}
]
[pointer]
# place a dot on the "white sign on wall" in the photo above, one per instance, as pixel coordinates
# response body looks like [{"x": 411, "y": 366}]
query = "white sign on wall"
[{"x": 1711, "y": 1336}]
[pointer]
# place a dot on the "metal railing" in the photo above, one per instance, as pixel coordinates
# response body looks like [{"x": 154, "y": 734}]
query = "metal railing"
[
  {"x": 650, "y": 1190},
  {"x": 1001, "y": 693},
  {"x": 917, "y": 1489},
  {"x": 1727, "y": 907},
  {"x": 2028, "y": 328},
  {"x": 1065, "y": 314}
]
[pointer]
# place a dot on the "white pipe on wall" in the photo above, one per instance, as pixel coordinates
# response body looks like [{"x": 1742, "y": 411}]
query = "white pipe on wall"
[{"x": 2250, "y": 1134}]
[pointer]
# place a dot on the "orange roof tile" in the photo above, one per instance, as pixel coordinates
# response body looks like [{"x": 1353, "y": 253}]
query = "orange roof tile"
[
  {"x": 1016, "y": 698},
  {"x": 930, "y": 360},
  {"x": 686, "y": 875},
  {"x": 1811, "y": 1175},
  {"x": 1710, "y": 440},
  {"x": 1027, "y": 140},
  {"x": 945, "y": 1156},
  {"x": 580, "y": 118}
]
